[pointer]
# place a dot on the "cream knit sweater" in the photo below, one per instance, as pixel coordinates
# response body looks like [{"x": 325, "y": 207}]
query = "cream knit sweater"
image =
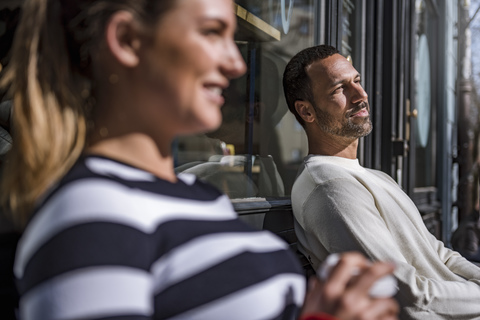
[{"x": 341, "y": 206}]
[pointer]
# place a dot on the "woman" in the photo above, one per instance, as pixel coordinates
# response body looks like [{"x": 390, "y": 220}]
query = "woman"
[{"x": 100, "y": 90}]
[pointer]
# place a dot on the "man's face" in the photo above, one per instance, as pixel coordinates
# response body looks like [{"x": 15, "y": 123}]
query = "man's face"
[{"x": 341, "y": 104}]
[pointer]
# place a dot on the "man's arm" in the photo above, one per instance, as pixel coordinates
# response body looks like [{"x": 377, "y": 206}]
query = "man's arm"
[
  {"x": 342, "y": 215},
  {"x": 456, "y": 262}
]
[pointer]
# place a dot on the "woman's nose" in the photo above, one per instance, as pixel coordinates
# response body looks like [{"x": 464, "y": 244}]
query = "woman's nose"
[{"x": 234, "y": 66}]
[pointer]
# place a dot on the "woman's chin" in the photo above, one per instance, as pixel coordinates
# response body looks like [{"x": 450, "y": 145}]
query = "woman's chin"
[
  {"x": 212, "y": 121},
  {"x": 205, "y": 126},
  {"x": 212, "y": 126}
]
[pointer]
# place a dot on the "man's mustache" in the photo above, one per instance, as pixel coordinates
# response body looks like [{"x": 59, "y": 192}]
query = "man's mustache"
[{"x": 359, "y": 107}]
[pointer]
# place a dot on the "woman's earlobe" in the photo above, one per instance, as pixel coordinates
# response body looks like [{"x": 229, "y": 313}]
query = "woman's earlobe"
[{"x": 123, "y": 38}]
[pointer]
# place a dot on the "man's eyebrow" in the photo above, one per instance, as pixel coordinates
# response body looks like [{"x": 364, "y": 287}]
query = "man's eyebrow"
[{"x": 344, "y": 80}]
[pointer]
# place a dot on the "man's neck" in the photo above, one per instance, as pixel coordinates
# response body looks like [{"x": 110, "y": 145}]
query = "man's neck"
[{"x": 328, "y": 145}]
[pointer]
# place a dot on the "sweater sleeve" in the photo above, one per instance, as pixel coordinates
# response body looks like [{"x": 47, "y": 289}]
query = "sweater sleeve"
[
  {"x": 342, "y": 215},
  {"x": 455, "y": 262}
]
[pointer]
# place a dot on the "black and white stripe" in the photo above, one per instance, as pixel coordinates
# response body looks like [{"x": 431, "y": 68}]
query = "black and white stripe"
[{"x": 115, "y": 241}]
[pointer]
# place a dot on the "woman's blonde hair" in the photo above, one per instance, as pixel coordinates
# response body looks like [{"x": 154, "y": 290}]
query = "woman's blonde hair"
[{"x": 49, "y": 79}]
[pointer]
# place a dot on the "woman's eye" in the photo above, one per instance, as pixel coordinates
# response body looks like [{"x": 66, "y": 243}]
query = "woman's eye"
[{"x": 212, "y": 32}]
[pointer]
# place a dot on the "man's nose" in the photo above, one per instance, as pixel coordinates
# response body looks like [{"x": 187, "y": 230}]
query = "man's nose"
[{"x": 359, "y": 95}]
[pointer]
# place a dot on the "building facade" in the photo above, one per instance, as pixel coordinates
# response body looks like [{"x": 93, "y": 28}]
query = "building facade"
[{"x": 407, "y": 53}]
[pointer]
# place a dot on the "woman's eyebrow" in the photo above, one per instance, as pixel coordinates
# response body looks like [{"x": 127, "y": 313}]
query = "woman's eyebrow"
[{"x": 219, "y": 20}]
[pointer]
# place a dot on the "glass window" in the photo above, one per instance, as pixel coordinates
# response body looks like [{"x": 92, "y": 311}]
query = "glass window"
[
  {"x": 257, "y": 150},
  {"x": 424, "y": 140},
  {"x": 352, "y": 30}
]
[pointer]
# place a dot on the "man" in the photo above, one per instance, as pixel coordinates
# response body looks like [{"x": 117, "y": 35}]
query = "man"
[{"x": 341, "y": 206}]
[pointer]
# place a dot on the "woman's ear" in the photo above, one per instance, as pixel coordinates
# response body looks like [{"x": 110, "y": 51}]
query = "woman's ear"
[
  {"x": 305, "y": 110},
  {"x": 123, "y": 38}
]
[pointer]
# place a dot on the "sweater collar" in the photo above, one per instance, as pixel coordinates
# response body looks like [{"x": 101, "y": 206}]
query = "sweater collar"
[{"x": 352, "y": 164}]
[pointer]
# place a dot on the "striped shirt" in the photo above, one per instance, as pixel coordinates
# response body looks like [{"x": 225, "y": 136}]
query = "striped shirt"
[{"x": 115, "y": 241}]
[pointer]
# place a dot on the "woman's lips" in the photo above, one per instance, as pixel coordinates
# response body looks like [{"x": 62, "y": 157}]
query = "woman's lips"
[{"x": 214, "y": 93}]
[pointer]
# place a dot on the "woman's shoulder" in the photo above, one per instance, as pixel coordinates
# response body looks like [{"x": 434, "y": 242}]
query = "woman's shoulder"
[{"x": 98, "y": 177}]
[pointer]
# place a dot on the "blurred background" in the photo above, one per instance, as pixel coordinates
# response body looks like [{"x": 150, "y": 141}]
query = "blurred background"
[{"x": 420, "y": 67}]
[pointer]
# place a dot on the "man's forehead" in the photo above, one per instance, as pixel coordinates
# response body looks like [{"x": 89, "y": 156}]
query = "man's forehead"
[{"x": 331, "y": 70}]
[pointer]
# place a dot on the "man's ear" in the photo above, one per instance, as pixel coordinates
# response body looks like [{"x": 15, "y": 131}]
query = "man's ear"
[
  {"x": 305, "y": 111},
  {"x": 123, "y": 38}
]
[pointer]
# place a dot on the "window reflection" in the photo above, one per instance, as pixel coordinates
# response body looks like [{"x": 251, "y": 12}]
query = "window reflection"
[
  {"x": 257, "y": 150},
  {"x": 425, "y": 165}
]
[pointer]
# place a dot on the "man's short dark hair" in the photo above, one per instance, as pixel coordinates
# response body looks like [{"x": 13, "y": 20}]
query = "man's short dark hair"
[{"x": 297, "y": 85}]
